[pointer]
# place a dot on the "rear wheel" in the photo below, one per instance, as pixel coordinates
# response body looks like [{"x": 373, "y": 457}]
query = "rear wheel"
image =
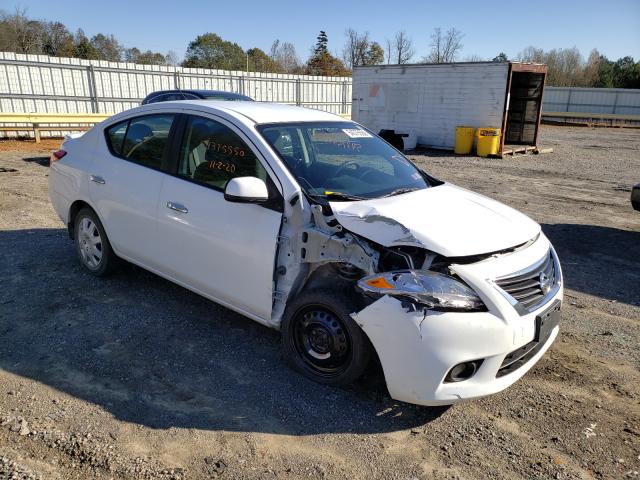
[
  {"x": 321, "y": 340},
  {"x": 92, "y": 244}
]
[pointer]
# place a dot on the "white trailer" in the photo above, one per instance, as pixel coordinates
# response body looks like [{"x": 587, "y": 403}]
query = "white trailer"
[{"x": 428, "y": 101}]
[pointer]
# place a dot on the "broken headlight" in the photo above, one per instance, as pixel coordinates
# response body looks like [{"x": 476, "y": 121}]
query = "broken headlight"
[{"x": 430, "y": 289}]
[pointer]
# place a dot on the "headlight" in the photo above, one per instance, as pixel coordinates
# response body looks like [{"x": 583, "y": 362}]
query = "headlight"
[{"x": 431, "y": 289}]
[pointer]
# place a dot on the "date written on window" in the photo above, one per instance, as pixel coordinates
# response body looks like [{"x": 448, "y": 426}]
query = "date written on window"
[
  {"x": 227, "y": 167},
  {"x": 225, "y": 149},
  {"x": 352, "y": 146}
]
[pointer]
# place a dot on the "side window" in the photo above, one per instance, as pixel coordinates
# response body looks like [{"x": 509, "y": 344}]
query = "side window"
[
  {"x": 146, "y": 139},
  {"x": 158, "y": 98},
  {"x": 213, "y": 154},
  {"x": 115, "y": 136}
]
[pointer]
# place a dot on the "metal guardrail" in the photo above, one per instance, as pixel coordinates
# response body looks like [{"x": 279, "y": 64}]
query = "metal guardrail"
[
  {"x": 591, "y": 119},
  {"x": 48, "y": 122},
  {"x": 606, "y": 116},
  {"x": 52, "y": 117}
]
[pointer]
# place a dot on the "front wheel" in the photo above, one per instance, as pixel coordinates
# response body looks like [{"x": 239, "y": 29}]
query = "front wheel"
[
  {"x": 322, "y": 341},
  {"x": 92, "y": 244}
]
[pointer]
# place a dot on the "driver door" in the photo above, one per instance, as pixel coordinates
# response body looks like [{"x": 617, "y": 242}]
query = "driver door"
[{"x": 221, "y": 249}]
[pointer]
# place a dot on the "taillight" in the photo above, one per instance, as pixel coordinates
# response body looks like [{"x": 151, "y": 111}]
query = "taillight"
[{"x": 57, "y": 155}]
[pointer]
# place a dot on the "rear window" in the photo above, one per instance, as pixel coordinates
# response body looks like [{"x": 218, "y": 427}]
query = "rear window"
[
  {"x": 141, "y": 140},
  {"x": 115, "y": 136}
]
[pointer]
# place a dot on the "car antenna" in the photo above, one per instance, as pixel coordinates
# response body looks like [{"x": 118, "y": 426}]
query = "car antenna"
[{"x": 184, "y": 97}]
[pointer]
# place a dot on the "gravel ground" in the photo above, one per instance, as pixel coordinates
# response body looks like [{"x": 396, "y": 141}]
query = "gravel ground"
[{"x": 134, "y": 377}]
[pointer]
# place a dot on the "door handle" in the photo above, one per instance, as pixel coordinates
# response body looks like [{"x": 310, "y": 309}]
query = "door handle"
[
  {"x": 97, "y": 179},
  {"x": 178, "y": 207}
]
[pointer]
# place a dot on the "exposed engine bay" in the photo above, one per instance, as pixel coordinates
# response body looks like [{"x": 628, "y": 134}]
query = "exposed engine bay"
[{"x": 314, "y": 249}]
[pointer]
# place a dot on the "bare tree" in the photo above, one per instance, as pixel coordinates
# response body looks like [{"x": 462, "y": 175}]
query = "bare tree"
[
  {"x": 285, "y": 56},
  {"x": 591, "y": 70},
  {"x": 355, "y": 49},
  {"x": 474, "y": 58},
  {"x": 25, "y": 34},
  {"x": 171, "y": 58},
  {"x": 532, "y": 54},
  {"x": 444, "y": 46},
  {"x": 403, "y": 47},
  {"x": 388, "y": 50},
  {"x": 565, "y": 66}
]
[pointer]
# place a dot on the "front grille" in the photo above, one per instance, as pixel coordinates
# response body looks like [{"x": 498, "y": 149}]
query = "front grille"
[{"x": 529, "y": 289}]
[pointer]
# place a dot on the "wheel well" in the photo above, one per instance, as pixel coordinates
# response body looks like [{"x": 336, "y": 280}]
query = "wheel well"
[
  {"x": 73, "y": 211},
  {"x": 328, "y": 276}
]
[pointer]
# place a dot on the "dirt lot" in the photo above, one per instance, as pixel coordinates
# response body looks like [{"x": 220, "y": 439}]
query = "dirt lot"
[{"x": 134, "y": 377}]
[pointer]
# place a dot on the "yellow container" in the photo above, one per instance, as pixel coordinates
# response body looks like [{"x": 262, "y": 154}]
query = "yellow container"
[
  {"x": 464, "y": 140},
  {"x": 488, "y": 141}
]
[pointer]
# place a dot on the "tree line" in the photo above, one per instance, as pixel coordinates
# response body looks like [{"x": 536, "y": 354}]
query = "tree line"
[{"x": 566, "y": 67}]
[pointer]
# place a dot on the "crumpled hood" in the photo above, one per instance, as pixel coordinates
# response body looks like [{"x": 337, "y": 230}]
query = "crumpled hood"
[{"x": 445, "y": 219}]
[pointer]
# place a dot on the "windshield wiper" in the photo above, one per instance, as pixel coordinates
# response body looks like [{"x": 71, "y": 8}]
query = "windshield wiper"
[
  {"x": 400, "y": 191},
  {"x": 336, "y": 196}
]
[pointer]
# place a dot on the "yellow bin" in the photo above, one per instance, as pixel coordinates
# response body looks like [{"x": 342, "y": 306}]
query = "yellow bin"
[
  {"x": 464, "y": 140},
  {"x": 488, "y": 141}
]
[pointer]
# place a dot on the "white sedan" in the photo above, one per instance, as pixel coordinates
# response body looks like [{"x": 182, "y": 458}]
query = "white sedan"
[{"x": 313, "y": 225}]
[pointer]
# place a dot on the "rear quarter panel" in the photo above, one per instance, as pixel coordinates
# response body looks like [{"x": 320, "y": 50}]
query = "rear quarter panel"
[{"x": 68, "y": 177}]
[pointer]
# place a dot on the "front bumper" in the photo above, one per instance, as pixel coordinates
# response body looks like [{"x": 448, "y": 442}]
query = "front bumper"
[{"x": 418, "y": 348}]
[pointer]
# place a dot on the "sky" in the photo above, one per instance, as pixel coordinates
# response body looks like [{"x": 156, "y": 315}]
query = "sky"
[{"x": 613, "y": 27}]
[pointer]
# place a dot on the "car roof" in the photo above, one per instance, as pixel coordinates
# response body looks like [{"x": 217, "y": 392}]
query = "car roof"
[
  {"x": 211, "y": 92},
  {"x": 200, "y": 92},
  {"x": 259, "y": 112}
]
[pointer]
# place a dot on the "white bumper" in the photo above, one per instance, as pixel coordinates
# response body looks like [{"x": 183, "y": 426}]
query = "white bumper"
[{"x": 417, "y": 350}]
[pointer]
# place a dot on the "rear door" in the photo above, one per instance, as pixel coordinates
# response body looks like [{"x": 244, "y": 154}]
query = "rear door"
[
  {"x": 222, "y": 249},
  {"x": 125, "y": 183}
]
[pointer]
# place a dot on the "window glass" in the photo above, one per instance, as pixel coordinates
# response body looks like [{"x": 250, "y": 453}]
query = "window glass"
[
  {"x": 173, "y": 96},
  {"x": 146, "y": 139},
  {"x": 336, "y": 159},
  {"x": 213, "y": 154},
  {"x": 157, "y": 98},
  {"x": 115, "y": 136}
]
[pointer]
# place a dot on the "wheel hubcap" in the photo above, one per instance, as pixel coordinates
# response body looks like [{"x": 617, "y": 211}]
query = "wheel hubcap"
[
  {"x": 89, "y": 243},
  {"x": 322, "y": 341}
]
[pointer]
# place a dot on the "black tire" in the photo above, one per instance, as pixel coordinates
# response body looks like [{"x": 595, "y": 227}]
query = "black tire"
[
  {"x": 321, "y": 340},
  {"x": 108, "y": 261}
]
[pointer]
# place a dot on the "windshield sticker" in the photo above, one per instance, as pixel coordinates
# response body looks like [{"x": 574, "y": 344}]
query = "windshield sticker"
[{"x": 356, "y": 133}]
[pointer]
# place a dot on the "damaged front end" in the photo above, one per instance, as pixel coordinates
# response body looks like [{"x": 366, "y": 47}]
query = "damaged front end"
[
  {"x": 314, "y": 249},
  {"x": 439, "y": 326}
]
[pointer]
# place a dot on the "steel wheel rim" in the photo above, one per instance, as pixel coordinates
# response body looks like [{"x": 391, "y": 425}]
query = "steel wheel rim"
[
  {"x": 89, "y": 243},
  {"x": 322, "y": 341}
]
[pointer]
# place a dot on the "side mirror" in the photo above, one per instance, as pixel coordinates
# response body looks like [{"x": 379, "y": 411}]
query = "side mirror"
[{"x": 246, "y": 190}]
